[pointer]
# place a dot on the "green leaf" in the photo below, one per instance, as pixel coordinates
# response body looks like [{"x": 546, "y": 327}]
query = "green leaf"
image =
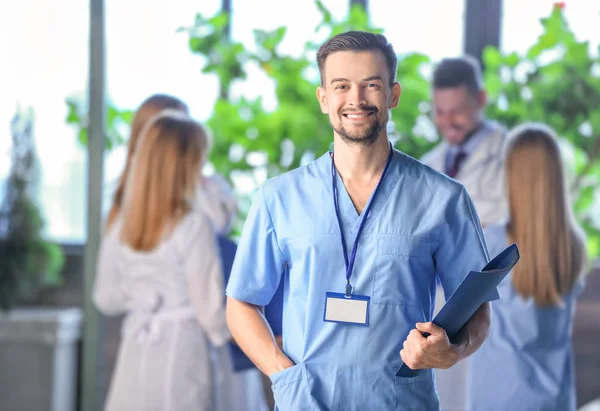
[
  {"x": 127, "y": 116},
  {"x": 358, "y": 20},
  {"x": 219, "y": 21},
  {"x": 82, "y": 136},
  {"x": 595, "y": 171},
  {"x": 580, "y": 159},
  {"x": 593, "y": 238},
  {"x": 277, "y": 37},
  {"x": 203, "y": 45},
  {"x": 55, "y": 261},
  {"x": 73, "y": 118},
  {"x": 493, "y": 84},
  {"x": 512, "y": 60},
  {"x": 492, "y": 58},
  {"x": 269, "y": 40},
  {"x": 593, "y": 245},
  {"x": 326, "y": 14},
  {"x": 585, "y": 199}
]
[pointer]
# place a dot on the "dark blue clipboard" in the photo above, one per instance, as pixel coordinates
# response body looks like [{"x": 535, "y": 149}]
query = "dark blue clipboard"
[
  {"x": 273, "y": 311},
  {"x": 468, "y": 297}
]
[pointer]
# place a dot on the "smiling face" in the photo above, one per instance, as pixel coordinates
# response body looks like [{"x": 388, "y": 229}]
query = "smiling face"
[
  {"x": 457, "y": 112},
  {"x": 356, "y": 95}
]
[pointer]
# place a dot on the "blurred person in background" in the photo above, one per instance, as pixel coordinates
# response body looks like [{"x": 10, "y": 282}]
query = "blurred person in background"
[
  {"x": 213, "y": 197},
  {"x": 149, "y": 108},
  {"x": 527, "y": 361},
  {"x": 216, "y": 198},
  {"x": 471, "y": 152},
  {"x": 159, "y": 265}
]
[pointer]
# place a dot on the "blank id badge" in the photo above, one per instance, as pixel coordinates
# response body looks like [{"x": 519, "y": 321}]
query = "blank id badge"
[{"x": 347, "y": 310}]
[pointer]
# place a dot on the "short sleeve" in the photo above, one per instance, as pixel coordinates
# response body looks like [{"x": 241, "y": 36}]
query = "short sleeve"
[
  {"x": 258, "y": 263},
  {"x": 463, "y": 249}
]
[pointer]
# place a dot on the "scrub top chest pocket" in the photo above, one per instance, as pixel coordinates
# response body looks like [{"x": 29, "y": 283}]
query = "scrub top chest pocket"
[{"x": 404, "y": 270}]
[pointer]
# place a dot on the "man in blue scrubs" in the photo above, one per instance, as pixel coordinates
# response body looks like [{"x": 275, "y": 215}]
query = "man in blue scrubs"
[{"x": 359, "y": 237}]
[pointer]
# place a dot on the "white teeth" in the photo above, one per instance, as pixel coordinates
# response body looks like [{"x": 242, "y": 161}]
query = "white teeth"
[{"x": 357, "y": 115}]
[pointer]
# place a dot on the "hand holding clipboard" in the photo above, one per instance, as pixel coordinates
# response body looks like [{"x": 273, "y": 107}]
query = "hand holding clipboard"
[{"x": 469, "y": 296}]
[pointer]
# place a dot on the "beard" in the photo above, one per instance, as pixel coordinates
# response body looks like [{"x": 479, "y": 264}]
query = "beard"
[{"x": 366, "y": 136}]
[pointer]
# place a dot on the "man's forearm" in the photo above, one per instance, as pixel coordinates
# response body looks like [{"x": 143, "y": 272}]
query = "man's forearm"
[
  {"x": 254, "y": 336},
  {"x": 474, "y": 333}
]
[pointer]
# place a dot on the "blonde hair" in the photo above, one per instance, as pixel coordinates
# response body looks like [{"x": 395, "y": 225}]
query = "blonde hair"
[
  {"x": 541, "y": 218},
  {"x": 164, "y": 175},
  {"x": 148, "y": 109}
]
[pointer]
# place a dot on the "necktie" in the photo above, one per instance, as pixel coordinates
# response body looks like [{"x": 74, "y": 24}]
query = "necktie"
[{"x": 455, "y": 166}]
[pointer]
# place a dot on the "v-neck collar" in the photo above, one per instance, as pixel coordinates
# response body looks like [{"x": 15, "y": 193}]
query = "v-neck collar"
[{"x": 349, "y": 216}]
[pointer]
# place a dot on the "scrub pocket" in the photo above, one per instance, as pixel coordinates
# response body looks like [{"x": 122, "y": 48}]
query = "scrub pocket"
[
  {"x": 417, "y": 393},
  {"x": 290, "y": 389},
  {"x": 404, "y": 270}
]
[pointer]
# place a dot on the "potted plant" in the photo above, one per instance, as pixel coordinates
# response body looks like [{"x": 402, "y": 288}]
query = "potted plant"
[
  {"x": 28, "y": 262},
  {"x": 38, "y": 361}
]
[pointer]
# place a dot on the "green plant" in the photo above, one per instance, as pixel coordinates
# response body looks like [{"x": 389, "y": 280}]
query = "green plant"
[
  {"x": 556, "y": 82},
  {"x": 252, "y": 143},
  {"x": 27, "y": 261},
  {"x": 116, "y": 120}
]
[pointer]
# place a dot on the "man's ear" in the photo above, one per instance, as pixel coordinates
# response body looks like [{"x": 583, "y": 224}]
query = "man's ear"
[
  {"x": 395, "y": 97},
  {"x": 321, "y": 96},
  {"x": 482, "y": 99}
]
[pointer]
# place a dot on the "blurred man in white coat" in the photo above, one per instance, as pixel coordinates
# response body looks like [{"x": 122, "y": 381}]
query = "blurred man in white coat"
[{"x": 471, "y": 152}]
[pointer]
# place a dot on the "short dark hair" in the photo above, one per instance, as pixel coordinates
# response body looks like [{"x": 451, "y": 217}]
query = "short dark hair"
[
  {"x": 456, "y": 72},
  {"x": 358, "y": 41}
]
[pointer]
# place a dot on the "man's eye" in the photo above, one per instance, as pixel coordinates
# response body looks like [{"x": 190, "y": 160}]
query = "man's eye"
[
  {"x": 373, "y": 85},
  {"x": 340, "y": 87}
]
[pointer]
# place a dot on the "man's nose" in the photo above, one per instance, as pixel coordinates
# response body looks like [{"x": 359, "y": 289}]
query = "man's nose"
[
  {"x": 442, "y": 119},
  {"x": 357, "y": 97}
]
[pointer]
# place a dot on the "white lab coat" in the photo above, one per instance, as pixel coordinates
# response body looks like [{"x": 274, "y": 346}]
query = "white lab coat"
[
  {"x": 482, "y": 175},
  {"x": 173, "y": 300}
]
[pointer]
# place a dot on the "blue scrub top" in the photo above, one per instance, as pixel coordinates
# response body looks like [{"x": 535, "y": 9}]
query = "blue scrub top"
[
  {"x": 526, "y": 363},
  {"x": 422, "y": 226}
]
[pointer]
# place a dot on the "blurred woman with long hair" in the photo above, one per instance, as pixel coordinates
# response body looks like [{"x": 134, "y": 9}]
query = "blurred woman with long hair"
[
  {"x": 527, "y": 361},
  {"x": 149, "y": 108},
  {"x": 160, "y": 266},
  {"x": 214, "y": 195}
]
